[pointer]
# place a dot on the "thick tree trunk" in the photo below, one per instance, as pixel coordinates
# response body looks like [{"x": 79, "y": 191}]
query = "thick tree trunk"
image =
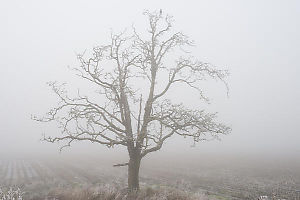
[{"x": 133, "y": 173}]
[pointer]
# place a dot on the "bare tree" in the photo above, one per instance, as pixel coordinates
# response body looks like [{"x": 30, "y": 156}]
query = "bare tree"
[{"x": 137, "y": 113}]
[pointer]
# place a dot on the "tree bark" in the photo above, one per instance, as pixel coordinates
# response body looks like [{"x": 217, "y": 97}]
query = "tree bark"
[{"x": 133, "y": 173}]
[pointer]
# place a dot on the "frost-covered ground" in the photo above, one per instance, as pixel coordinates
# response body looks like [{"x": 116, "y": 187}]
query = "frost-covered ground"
[
  {"x": 105, "y": 192},
  {"x": 213, "y": 179},
  {"x": 11, "y": 194}
]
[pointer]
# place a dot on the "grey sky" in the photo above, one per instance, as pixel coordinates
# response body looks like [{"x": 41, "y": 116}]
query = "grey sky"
[{"x": 258, "y": 41}]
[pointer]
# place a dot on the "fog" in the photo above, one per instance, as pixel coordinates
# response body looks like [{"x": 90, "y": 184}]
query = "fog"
[{"x": 257, "y": 41}]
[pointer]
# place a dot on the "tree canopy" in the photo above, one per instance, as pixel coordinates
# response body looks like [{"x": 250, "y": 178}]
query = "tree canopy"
[{"x": 134, "y": 73}]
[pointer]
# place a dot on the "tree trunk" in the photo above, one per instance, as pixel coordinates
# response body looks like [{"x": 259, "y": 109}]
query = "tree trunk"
[{"x": 133, "y": 173}]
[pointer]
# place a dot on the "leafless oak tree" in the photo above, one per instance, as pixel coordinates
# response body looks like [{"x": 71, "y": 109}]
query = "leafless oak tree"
[{"x": 137, "y": 113}]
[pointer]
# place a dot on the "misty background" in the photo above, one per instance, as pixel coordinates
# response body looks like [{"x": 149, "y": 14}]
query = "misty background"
[{"x": 257, "y": 41}]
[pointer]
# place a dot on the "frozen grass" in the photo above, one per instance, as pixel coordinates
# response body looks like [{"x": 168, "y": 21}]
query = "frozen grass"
[
  {"x": 109, "y": 192},
  {"x": 11, "y": 194}
]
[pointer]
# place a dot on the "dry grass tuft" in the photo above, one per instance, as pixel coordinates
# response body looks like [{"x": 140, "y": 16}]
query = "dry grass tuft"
[{"x": 108, "y": 192}]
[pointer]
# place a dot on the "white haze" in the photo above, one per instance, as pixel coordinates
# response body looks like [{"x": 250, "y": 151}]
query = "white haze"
[{"x": 258, "y": 41}]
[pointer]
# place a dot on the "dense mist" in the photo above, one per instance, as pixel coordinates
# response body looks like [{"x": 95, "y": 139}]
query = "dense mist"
[{"x": 256, "y": 41}]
